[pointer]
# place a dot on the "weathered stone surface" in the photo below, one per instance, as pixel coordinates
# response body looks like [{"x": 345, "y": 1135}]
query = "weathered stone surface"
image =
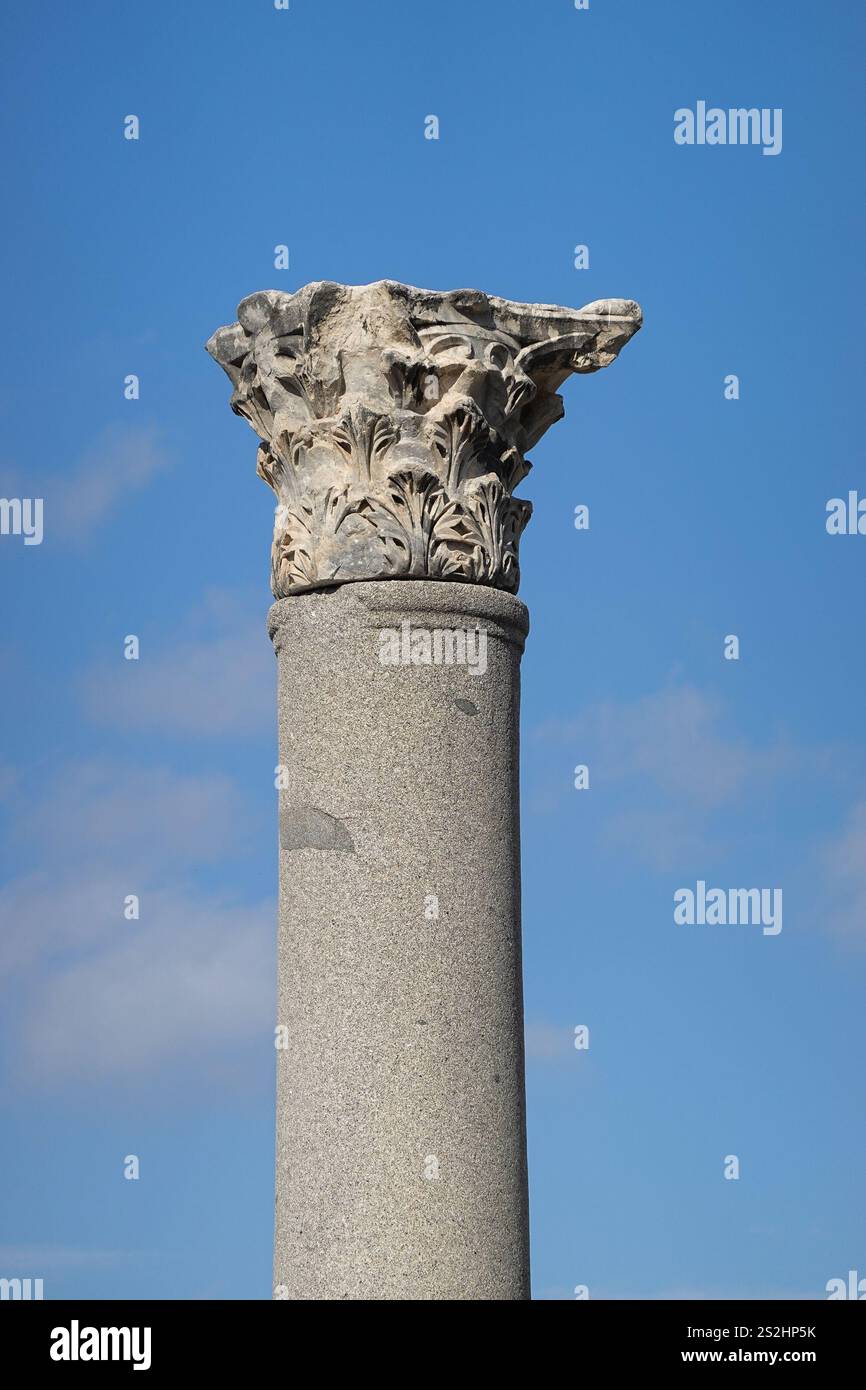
[
  {"x": 395, "y": 422},
  {"x": 401, "y": 1141}
]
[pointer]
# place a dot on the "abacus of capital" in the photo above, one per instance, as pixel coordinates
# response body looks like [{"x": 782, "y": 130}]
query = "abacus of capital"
[{"x": 394, "y": 425}]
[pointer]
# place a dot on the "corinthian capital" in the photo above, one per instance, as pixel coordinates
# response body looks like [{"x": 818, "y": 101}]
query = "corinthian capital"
[{"x": 395, "y": 422}]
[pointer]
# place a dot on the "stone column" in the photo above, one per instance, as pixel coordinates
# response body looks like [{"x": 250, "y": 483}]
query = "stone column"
[{"x": 394, "y": 426}]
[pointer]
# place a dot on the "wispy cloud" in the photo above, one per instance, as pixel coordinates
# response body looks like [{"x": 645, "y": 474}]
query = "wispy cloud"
[
  {"x": 42, "y": 1258},
  {"x": 97, "y": 996},
  {"x": 844, "y": 909},
  {"x": 674, "y": 738},
  {"x": 129, "y": 817},
  {"x": 561, "y": 1292},
  {"x": 666, "y": 763},
  {"x": 216, "y": 676},
  {"x": 122, "y": 461},
  {"x": 191, "y": 978}
]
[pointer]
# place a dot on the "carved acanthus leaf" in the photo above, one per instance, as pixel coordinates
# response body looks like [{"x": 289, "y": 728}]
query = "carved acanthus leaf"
[{"x": 395, "y": 422}]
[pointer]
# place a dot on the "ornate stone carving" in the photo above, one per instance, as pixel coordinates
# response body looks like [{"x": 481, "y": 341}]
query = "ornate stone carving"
[{"x": 395, "y": 422}]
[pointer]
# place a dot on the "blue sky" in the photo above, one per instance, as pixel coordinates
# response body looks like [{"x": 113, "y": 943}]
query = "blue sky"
[{"x": 306, "y": 128}]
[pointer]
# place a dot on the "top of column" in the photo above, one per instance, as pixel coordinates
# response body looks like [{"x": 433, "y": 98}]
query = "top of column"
[{"x": 395, "y": 422}]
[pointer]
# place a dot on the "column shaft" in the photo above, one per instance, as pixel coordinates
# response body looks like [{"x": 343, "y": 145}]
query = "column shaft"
[{"x": 401, "y": 1145}]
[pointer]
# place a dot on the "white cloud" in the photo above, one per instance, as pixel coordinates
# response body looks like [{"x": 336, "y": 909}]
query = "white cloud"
[
  {"x": 193, "y": 977},
  {"x": 661, "y": 837},
  {"x": 217, "y": 677},
  {"x": 664, "y": 765},
  {"x": 47, "y": 915},
  {"x": 844, "y": 909},
  {"x": 123, "y": 460},
  {"x": 129, "y": 816},
  {"x": 675, "y": 739},
  {"x": 52, "y": 1257},
  {"x": 96, "y": 996}
]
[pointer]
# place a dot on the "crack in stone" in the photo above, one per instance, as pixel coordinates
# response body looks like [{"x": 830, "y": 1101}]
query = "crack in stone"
[{"x": 306, "y": 827}]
